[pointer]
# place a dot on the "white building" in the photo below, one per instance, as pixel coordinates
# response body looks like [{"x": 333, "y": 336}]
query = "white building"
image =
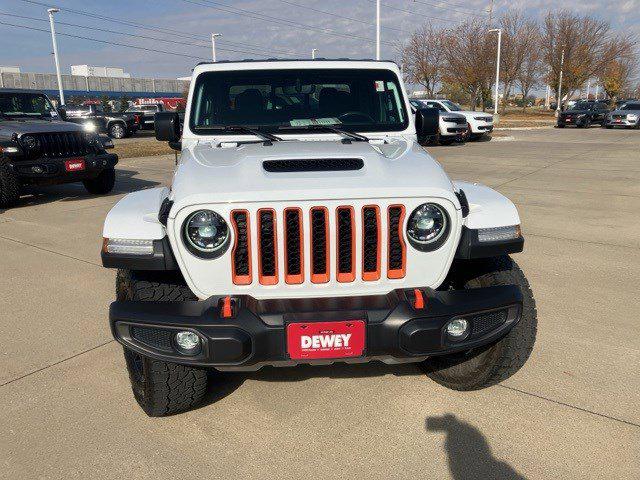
[
  {"x": 91, "y": 71},
  {"x": 7, "y": 69}
]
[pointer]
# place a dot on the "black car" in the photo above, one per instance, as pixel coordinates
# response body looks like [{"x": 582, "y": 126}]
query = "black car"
[
  {"x": 95, "y": 119},
  {"x": 584, "y": 114},
  {"x": 37, "y": 147}
]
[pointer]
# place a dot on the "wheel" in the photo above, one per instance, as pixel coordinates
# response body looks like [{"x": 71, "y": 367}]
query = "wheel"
[
  {"x": 160, "y": 388},
  {"x": 9, "y": 185},
  {"x": 608, "y": 126},
  {"x": 466, "y": 136},
  {"x": 447, "y": 140},
  {"x": 117, "y": 130},
  {"x": 482, "y": 367},
  {"x": 586, "y": 123},
  {"x": 103, "y": 183},
  {"x": 560, "y": 126}
]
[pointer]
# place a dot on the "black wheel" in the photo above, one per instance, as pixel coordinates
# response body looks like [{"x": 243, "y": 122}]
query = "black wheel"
[
  {"x": 560, "y": 126},
  {"x": 9, "y": 185},
  {"x": 480, "y": 368},
  {"x": 608, "y": 126},
  {"x": 117, "y": 130},
  {"x": 447, "y": 140},
  {"x": 586, "y": 123},
  {"x": 160, "y": 388},
  {"x": 466, "y": 136},
  {"x": 103, "y": 183}
]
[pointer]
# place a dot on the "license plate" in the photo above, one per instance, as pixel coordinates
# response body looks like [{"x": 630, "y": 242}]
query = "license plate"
[
  {"x": 74, "y": 165},
  {"x": 618, "y": 121},
  {"x": 306, "y": 341}
]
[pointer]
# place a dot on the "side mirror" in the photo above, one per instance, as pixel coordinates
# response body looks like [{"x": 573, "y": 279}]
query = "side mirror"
[
  {"x": 62, "y": 111},
  {"x": 427, "y": 122},
  {"x": 167, "y": 127}
]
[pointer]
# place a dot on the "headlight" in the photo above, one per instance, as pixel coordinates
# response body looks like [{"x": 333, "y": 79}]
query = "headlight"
[
  {"x": 30, "y": 143},
  {"x": 92, "y": 138},
  {"x": 89, "y": 127},
  {"x": 428, "y": 227},
  {"x": 206, "y": 234},
  {"x": 632, "y": 116}
]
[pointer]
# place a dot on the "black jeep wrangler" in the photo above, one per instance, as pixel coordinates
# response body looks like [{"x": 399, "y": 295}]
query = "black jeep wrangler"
[{"x": 37, "y": 147}]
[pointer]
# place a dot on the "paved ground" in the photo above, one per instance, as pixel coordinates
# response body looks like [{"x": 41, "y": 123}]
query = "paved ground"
[{"x": 572, "y": 412}]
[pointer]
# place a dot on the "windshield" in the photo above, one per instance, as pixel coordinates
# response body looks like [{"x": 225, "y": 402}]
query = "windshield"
[
  {"x": 351, "y": 99},
  {"x": 26, "y": 105},
  {"x": 583, "y": 106},
  {"x": 630, "y": 106},
  {"x": 454, "y": 107}
]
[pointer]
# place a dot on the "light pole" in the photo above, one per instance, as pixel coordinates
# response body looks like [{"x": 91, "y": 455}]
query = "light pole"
[
  {"x": 51, "y": 11},
  {"x": 588, "y": 89},
  {"x": 377, "y": 29},
  {"x": 213, "y": 45},
  {"x": 313, "y": 53},
  {"x": 499, "y": 30},
  {"x": 558, "y": 109}
]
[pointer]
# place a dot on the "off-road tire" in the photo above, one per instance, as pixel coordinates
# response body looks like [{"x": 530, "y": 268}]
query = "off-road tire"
[
  {"x": 9, "y": 185},
  {"x": 560, "y": 126},
  {"x": 103, "y": 183},
  {"x": 160, "y": 388},
  {"x": 489, "y": 365}
]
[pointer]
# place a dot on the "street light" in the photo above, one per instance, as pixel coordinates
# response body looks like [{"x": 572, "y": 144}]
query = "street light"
[
  {"x": 378, "y": 30},
  {"x": 499, "y": 30},
  {"x": 213, "y": 45},
  {"x": 51, "y": 11},
  {"x": 558, "y": 109},
  {"x": 313, "y": 53}
]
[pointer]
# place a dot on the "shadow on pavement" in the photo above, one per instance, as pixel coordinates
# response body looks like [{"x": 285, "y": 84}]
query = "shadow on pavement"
[
  {"x": 468, "y": 451},
  {"x": 126, "y": 182}
]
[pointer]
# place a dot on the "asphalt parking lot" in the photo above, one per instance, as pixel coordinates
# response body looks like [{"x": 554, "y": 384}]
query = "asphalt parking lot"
[{"x": 572, "y": 412}]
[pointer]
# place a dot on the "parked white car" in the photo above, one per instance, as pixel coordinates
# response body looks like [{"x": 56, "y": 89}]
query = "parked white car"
[
  {"x": 452, "y": 126},
  {"x": 305, "y": 225},
  {"x": 479, "y": 124}
]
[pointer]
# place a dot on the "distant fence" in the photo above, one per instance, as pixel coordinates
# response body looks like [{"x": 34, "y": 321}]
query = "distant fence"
[{"x": 92, "y": 85}]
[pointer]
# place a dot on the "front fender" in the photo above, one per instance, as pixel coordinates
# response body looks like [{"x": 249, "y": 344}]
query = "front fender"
[
  {"x": 136, "y": 216},
  {"x": 487, "y": 208}
]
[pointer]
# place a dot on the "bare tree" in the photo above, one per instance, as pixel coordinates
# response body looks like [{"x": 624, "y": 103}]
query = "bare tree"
[
  {"x": 469, "y": 53},
  {"x": 520, "y": 37},
  {"x": 589, "y": 46},
  {"x": 422, "y": 58},
  {"x": 530, "y": 74},
  {"x": 616, "y": 77}
]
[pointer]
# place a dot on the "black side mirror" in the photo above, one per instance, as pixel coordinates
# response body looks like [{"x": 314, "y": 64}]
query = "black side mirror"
[
  {"x": 427, "y": 122},
  {"x": 167, "y": 126},
  {"x": 62, "y": 111}
]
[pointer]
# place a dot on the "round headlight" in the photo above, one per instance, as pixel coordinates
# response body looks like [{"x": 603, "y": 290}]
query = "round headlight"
[
  {"x": 428, "y": 227},
  {"x": 206, "y": 234},
  {"x": 30, "y": 142}
]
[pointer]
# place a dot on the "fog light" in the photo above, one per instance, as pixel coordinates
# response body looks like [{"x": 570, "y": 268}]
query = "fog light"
[
  {"x": 188, "y": 342},
  {"x": 457, "y": 328}
]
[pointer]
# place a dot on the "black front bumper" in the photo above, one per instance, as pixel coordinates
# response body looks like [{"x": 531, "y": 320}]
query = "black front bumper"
[
  {"x": 256, "y": 334},
  {"x": 53, "y": 170}
]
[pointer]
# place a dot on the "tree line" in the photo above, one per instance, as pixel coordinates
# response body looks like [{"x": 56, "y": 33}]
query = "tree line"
[{"x": 460, "y": 61}]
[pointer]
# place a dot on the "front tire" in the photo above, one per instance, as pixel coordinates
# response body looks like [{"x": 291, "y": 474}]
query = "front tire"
[
  {"x": 160, "y": 388},
  {"x": 103, "y": 183},
  {"x": 9, "y": 185},
  {"x": 117, "y": 130},
  {"x": 489, "y": 365}
]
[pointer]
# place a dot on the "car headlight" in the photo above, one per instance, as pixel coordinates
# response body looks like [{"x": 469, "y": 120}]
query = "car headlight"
[
  {"x": 632, "y": 117},
  {"x": 206, "y": 234},
  {"x": 428, "y": 227},
  {"x": 30, "y": 143},
  {"x": 89, "y": 127}
]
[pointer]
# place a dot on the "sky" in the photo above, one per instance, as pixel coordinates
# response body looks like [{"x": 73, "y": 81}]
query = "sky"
[{"x": 181, "y": 29}]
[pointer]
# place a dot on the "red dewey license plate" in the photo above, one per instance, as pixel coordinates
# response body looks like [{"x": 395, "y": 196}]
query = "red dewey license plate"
[
  {"x": 74, "y": 165},
  {"x": 325, "y": 339}
]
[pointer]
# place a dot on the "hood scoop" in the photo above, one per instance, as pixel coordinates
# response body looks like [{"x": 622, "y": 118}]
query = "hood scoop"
[{"x": 313, "y": 165}]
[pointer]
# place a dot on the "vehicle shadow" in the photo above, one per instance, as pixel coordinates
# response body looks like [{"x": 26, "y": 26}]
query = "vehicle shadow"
[
  {"x": 126, "y": 182},
  {"x": 223, "y": 384},
  {"x": 468, "y": 451}
]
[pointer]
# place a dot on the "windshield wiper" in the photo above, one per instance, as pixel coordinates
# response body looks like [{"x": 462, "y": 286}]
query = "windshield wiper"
[
  {"x": 327, "y": 128},
  {"x": 241, "y": 128}
]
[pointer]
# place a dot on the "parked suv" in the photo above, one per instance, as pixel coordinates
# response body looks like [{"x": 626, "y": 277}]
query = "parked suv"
[
  {"x": 95, "y": 119},
  {"x": 305, "y": 225},
  {"x": 452, "y": 126},
  {"x": 479, "y": 124},
  {"x": 38, "y": 148},
  {"x": 147, "y": 114},
  {"x": 583, "y": 114}
]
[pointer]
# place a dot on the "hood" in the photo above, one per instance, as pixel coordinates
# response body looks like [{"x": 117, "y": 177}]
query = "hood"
[
  {"x": 209, "y": 173},
  {"x": 625, "y": 112},
  {"x": 20, "y": 126},
  {"x": 475, "y": 114},
  {"x": 576, "y": 112}
]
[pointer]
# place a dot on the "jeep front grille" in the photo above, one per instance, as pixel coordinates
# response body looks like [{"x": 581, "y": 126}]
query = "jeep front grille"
[
  {"x": 63, "y": 144},
  {"x": 354, "y": 230}
]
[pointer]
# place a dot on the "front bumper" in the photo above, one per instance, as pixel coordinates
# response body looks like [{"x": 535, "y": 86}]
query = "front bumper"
[
  {"x": 53, "y": 170},
  {"x": 621, "y": 123},
  {"x": 255, "y": 336}
]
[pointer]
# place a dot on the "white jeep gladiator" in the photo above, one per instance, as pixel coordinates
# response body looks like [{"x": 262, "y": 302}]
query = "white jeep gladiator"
[{"x": 305, "y": 225}]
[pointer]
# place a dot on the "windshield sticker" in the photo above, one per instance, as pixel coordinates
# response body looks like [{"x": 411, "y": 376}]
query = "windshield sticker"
[
  {"x": 304, "y": 122},
  {"x": 379, "y": 85}
]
